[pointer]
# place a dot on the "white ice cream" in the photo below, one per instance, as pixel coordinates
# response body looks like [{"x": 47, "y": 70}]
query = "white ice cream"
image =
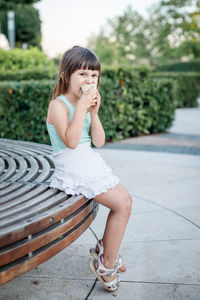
[{"x": 86, "y": 87}]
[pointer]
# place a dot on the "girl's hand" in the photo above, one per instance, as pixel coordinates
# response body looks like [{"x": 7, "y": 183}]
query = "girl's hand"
[
  {"x": 87, "y": 100},
  {"x": 95, "y": 108}
]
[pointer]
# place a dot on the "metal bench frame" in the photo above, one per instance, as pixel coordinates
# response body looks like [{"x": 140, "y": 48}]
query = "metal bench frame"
[{"x": 36, "y": 222}]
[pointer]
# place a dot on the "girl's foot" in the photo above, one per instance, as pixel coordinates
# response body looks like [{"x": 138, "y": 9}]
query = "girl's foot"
[
  {"x": 107, "y": 277},
  {"x": 121, "y": 268},
  {"x": 99, "y": 250}
]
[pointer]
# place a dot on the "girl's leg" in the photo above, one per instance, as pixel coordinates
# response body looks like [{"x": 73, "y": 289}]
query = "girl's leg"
[
  {"x": 119, "y": 201},
  {"x": 126, "y": 193}
]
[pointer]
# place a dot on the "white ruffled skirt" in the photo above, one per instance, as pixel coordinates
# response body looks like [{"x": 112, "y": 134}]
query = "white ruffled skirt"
[{"x": 82, "y": 171}]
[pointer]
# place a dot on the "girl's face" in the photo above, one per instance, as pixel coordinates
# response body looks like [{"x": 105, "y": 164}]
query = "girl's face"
[{"x": 80, "y": 77}]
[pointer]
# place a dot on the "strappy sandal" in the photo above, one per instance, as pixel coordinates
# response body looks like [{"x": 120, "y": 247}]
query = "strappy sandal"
[
  {"x": 94, "y": 253},
  {"x": 110, "y": 286}
]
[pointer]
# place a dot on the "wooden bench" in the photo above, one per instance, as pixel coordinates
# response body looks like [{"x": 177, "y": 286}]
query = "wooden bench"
[{"x": 36, "y": 222}]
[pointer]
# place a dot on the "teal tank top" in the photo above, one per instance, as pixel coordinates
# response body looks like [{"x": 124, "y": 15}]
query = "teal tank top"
[{"x": 56, "y": 141}]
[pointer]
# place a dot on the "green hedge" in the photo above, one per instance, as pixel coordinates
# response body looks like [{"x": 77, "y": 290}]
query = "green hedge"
[
  {"x": 23, "y": 108},
  {"x": 179, "y": 66},
  {"x": 187, "y": 83},
  {"x": 18, "y": 59},
  {"x": 187, "y": 87},
  {"x": 36, "y": 73},
  {"x": 132, "y": 104}
]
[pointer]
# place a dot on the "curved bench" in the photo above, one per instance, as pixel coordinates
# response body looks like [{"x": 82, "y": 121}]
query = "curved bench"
[{"x": 36, "y": 222}]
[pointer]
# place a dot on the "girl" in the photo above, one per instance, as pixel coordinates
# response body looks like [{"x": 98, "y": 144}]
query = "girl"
[{"x": 73, "y": 123}]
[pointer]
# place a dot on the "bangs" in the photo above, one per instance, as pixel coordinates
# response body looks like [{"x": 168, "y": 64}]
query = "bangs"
[
  {"x": 91, "y": 64},
  {"x": 86, "y": 60}
]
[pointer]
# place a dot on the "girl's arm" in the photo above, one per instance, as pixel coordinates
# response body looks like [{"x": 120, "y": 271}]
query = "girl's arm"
[
  {"x": 70, "y": 132},
  {"x": 96, "y": 129}
]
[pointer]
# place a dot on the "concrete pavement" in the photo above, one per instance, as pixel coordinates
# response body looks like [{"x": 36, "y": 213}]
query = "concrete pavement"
[{"x": 161, "y": 247}]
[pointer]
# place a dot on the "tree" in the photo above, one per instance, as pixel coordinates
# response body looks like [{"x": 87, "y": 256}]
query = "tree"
[
  {"x": 122, "y": 41},
  {"x": 128, "y": 33},
  {"x": 6, "y": 5},
  {"x": 104, "y": 48},
  {"x": 27, "y": 26},
  {"x": 170, "y": 32},
  {"x": 173, "y": 30}
]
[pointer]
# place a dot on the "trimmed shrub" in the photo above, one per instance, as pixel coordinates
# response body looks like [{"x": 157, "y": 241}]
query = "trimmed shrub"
[
  {"x": 23, "y": 109},
  {"x": 179, "y": 66},
  {"x": 135, "y": 103},
  {"x": 28, "y": 74},
  {"x": 18, "y": 59},
  {"x": 132, "y": 104},
  {"x": 187, "y": 87}
]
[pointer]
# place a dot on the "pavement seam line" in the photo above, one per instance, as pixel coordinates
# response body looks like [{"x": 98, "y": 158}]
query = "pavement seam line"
[
  {"x": 88, "y": 295},
  {"x": 169, "y": 209},
  {"x": 94, "y": 233},
  {"x": 159, "y": 282},
  {"x": 128, "y": 281},
  {"x": 56, "y": 277},
  {"x": 169, "y": 240}
]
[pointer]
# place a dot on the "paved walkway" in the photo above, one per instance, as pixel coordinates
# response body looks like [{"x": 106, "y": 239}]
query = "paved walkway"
[
  {"x": 183, "y": 137},
  {"x": 162, "y": 241}
]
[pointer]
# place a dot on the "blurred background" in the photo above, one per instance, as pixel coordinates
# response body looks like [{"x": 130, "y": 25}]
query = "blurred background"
[
  {"x": 122, "y": 32},
  {"x": 149, "y": 51}
]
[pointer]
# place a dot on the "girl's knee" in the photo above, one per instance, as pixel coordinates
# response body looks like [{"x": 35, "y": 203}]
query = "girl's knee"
[
  {"x": 130, "y": 201},
  {"x": 126, "y": 206}
]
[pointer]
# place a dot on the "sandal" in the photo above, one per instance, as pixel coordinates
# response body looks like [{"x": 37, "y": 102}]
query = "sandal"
[
  {"x": 110, "y": 286},
  {"x": 94, "y": 253}
]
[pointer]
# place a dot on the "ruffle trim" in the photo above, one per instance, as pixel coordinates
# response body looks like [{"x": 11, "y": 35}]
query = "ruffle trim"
[{"x": 89, "y": 188}]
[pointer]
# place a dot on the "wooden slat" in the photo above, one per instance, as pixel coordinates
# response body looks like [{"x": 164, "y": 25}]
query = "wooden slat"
[
  {"x": 19, "y": 192},
  {"x": 4, "y": 186},
  {"x": 50, "y": 159},
  {"x": 46, "y": 169},
  {"x": 13, "y": 253},
  {"x": 4, "y": 152},
  {"x": 36, "y": 222},
  {"x": 32, "y": 211},
  {"x": 16, "y": 150},
  {"x": 34, "y": 193},
  {"x": 17, "y": 208},
  {"x": 21, "y": 171},
  {"x": 11, "y": 169},
  {"x": 21, "y": 145},
  {"x": 14, "y": 233},
  {"x": 25, "y": 266},
  {"x": 2, "y": 165},
  {"x": 33, "y": 171}
]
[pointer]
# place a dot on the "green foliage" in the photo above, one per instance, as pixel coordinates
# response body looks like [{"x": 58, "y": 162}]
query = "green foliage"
[
  {"x": 171, "y": 32},
  {"x": 122, "y": 40},
  {"x": 27, "y": 26},
  {"x": 29, "y": 74},
  {"x": 174, "y": 31},
  {"x": 18, "y": 59},
  {"x": 179, "y": 66},
  {"x": 176, "y": 3},
  {"x": 187, "y": 87},
  {"x": 133, "y": 103},
  {"x": 23, "y": 108},
  {"x": 104, "y": 49},
  {"x": 6, "y": 5}
]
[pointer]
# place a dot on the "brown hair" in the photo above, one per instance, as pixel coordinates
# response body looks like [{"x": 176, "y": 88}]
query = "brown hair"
[{"x": 74, "y": 59}]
